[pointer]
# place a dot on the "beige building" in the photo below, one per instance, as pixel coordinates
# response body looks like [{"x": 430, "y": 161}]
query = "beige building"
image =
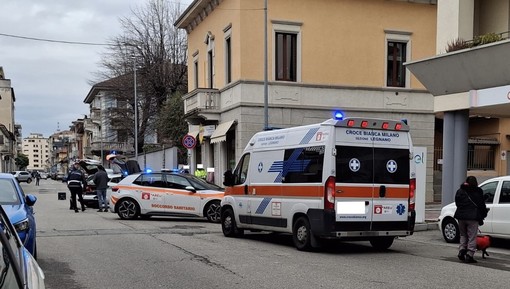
[
  {"x": 321, "y": 56},
  {"x": 9, "y": 132},
  {"x": 36, "y": 148}
]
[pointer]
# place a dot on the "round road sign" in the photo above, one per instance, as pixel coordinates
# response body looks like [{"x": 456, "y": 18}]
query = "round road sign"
[{"x": 189, "y": 142}]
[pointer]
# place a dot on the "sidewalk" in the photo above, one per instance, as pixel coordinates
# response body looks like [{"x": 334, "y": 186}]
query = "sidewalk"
[{"x": 432, "y": 211}]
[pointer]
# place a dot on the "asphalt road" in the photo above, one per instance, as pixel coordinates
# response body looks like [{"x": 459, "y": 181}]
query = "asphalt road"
[{"x": 98, "y": 250}]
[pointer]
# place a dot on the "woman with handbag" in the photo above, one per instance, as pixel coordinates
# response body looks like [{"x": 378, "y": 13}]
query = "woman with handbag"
[{"x": 471, "y": 211}]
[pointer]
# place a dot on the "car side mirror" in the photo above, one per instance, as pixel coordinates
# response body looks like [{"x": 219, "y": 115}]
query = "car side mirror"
[
  {"x": 228, "y": 178},
  {"x": 30, "y": 200},
  {"x": 190, "y": 188}
]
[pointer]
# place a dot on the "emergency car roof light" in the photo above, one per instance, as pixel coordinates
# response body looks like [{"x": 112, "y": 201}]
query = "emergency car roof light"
[
  {"x": 385, "y": 125},
  {"x": 338, "y": 115},
  {"x": 148, "y": 171},
  {"x": 350, "y": 122},
  {"x": 364, "y": 124},
  {"x": 398, "y": 126}
]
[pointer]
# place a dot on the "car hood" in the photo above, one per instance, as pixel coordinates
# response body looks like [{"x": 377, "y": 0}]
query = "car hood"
[{"x": 16, "y": 213}]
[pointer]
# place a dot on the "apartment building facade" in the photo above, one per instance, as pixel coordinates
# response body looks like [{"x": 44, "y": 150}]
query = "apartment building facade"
[
  {"x": 346, "y": 55},
  {"x": 9, "y": 131},
  {"x": 101, "y": 136},
  {"x": 36, "y": 148}
]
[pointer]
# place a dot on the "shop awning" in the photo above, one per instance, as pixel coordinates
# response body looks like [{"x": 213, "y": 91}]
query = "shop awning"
[{"x": 220, "y": 134}]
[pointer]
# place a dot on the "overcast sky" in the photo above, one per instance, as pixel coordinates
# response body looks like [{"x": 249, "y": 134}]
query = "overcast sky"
[{"x": 51, "y": 80}]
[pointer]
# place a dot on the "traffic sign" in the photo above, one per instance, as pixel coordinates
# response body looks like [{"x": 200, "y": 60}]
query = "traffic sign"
[{"x": 189, "y": 142}]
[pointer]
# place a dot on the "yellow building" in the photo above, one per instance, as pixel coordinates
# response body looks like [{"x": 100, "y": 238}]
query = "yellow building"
[{"x": 322, "y": 56}]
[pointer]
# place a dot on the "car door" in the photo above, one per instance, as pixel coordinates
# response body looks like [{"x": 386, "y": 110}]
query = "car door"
[
  {"x": 490, "y": 190},
  {"x": 150, "y": 190},
  {"x": 180, "y": 198},
  {"x": 501, "y": 211}
]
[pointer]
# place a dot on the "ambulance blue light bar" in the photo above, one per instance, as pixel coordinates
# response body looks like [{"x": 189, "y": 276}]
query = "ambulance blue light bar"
[{"x": 338, "y": 115}]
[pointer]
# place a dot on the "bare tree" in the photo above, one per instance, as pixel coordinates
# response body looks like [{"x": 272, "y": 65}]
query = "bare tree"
[{"x": 155, "y": 50}]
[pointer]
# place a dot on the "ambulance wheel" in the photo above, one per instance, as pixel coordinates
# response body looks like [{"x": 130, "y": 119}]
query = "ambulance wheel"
[
  {"x": 228, "y": 224},
  {"x": 128, "y": 209},
  {"x": 382, "y": 243},
  {"x": 301, "y": 234},
  {"x": 450, "y": 230},
  {"x": 213, "y": 212}
]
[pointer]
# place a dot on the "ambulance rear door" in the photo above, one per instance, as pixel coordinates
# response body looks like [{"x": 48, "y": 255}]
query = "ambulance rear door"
[
  {"x": 372, "y": 175},
  {"x": 354, "y": 179},
  {"x": 391, "y": 180}
]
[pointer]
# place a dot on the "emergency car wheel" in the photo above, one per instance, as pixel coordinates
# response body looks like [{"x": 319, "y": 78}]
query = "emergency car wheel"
[
  {"x": 301, "y": 234},
  {"x": 228, "y": 224},
  {"x": 450, "y": 230},
  {"x": 128, "y": 209},
  {"x": 382, "y": 243},
  {"x": 213, "y": 212},
  {"x": 29, "y": 180}
]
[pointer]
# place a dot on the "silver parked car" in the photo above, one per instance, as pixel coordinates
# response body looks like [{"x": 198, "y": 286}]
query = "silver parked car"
[{"x": 22, "y": 176}]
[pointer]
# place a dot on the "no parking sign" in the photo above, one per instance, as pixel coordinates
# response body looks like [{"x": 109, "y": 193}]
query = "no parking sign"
[{"x": 189, "y": 142}]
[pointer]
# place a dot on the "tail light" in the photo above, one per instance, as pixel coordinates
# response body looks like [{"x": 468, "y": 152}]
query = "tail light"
[
  {"x": 412, "y": 194},
  {"x": 329, "y": 194},
  {"x": 114, "y": 189}
]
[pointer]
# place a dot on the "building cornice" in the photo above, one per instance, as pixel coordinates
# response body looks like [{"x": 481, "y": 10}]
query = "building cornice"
[{"x": 196, "y": 12}]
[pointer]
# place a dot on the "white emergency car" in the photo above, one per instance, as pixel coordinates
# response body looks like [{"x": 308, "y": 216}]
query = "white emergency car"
[
  {"x": 350, "y": 179},
  {"x": 165, "y": 194}
]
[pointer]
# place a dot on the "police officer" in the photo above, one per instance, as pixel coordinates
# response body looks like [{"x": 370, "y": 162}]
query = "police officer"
[{"x": 76, "y": 183}]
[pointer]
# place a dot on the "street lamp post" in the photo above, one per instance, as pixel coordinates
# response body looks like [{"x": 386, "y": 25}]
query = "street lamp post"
[{"x": 136, "y": 111}]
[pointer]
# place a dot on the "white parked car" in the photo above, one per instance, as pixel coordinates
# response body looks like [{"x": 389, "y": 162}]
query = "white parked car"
[
  {"x": 496, "y": 192},
  {"x": 166, "y": 194}
]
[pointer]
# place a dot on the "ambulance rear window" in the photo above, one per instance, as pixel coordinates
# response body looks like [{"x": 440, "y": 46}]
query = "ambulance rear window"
[{"x": 368, "y": 165}]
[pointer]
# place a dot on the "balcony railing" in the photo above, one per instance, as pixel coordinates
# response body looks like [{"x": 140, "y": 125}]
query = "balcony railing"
[{"x": 202, "y": 99}]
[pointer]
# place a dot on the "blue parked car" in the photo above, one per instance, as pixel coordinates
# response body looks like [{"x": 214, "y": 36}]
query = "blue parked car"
[
  {"x": 18, "y": 267},
  {"x": 18, "y": 207}
]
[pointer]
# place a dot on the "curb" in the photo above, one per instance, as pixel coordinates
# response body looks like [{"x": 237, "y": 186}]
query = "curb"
[{"x": 425, "y": 226}]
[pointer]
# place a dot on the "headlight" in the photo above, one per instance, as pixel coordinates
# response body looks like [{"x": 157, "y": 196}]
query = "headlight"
[{"x": 22, "y": 226}]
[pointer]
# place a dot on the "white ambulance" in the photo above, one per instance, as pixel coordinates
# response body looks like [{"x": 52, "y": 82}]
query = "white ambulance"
[{"x": 351, "y": 179}]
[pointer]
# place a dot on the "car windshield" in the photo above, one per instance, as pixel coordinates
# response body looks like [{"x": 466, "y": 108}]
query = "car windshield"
[
  {"x": 8, "y": 193},
  {"x": 201, "y": 184}
]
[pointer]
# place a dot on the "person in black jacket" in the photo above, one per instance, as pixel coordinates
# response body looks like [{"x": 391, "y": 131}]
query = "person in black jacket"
[
  {"x": 471, "y": 211},
  {"x": 76, "y": 183}
]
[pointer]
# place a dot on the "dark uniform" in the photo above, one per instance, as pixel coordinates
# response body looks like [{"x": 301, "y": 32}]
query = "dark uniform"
[
  {"x": 471, "y": 211},
  {"x": 76, "y": 183}
]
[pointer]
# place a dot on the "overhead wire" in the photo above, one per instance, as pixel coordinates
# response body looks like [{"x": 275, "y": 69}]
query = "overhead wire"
[{"x": 53, "y": 40}]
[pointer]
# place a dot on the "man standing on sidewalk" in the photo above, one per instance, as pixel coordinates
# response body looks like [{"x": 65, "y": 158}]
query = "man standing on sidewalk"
[{"x": 101, "y": 180}]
